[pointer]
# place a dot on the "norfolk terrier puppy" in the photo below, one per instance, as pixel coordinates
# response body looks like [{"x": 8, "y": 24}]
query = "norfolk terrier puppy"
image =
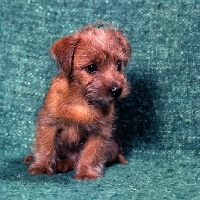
[{"x": 76, "y": 125}]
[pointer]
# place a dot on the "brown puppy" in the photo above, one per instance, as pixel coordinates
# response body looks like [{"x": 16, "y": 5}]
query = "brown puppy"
[{"x": 75, "y": 127}]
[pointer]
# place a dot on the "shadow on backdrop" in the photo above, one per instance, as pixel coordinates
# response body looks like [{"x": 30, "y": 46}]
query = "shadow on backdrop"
[{"x": 137, "y": 122}]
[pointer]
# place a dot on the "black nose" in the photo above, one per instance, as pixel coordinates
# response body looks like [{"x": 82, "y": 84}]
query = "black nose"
[{"x": 115, "y": 91}]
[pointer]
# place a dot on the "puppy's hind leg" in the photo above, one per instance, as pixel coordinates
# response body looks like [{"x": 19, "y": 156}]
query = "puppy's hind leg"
[{"x": 28, "y": 159}]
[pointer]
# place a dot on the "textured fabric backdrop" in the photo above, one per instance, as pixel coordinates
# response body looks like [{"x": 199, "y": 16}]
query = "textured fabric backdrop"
[{"x": 158, "y": 122}]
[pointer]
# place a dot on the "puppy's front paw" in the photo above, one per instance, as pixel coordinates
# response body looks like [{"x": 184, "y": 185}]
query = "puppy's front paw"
[
  {"x": 40, "y": 169},
  {"x": 87, "y": 175}
]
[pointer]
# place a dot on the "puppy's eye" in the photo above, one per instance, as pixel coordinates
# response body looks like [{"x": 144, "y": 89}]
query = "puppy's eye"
[
  {"x": 91, "y": 68},
  {"x": 119, "y": 65}
]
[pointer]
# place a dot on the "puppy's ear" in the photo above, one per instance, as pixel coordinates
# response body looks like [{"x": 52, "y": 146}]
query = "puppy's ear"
[
  {"x": 124, "y": 43},
  {"x": 63, "y": 51}
]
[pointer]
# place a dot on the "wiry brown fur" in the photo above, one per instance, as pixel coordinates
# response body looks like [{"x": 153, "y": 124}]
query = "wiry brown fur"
[{"x": 75, "y": 127}]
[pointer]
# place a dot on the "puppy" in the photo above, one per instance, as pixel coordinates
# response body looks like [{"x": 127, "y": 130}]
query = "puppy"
[{"x": 76, "y": 125}]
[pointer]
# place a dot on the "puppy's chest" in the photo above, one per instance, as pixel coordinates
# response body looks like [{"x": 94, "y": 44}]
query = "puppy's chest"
[{"x": 76, "y": 132}]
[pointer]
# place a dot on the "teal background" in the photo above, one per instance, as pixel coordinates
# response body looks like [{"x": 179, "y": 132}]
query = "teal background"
[{"x": 159, "y": 122}]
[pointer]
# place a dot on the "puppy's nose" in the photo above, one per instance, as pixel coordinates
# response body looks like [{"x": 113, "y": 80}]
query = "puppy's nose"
[{"x": 115, "y": 91}]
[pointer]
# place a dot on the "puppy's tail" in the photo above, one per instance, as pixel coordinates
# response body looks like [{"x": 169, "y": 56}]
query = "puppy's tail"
[{"x": 121, "y": 159}]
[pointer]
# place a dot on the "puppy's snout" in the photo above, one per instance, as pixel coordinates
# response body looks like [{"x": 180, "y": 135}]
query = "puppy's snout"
[{"x": 115, "y": 91}]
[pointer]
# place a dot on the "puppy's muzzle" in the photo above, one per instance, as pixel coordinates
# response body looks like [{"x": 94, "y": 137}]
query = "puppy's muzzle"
[{"x": 115, "y": 92}]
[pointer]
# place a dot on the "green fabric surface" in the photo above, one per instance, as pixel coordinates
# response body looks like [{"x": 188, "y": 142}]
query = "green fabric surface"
[{"x": 159, "y": 122}]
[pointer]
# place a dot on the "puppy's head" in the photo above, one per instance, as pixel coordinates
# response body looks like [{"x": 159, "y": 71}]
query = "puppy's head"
[{"x": 94, "y": 60}]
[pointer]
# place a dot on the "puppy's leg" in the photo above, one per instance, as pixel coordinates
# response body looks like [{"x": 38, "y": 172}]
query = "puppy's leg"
[
  {"x": 28, "y": 159},
  {"x": 44, "y": 151},
  {"x": 92, "y": 159}
]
